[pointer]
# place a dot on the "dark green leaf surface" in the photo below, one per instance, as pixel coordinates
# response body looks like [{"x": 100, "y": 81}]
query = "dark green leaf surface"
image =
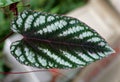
[{"x": 53, "y": 41}]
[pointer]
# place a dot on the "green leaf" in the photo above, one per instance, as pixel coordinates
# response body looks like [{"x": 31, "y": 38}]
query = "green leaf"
[
  {"x": 54, "y": 41},
  {"x": 4, "y": 3}
]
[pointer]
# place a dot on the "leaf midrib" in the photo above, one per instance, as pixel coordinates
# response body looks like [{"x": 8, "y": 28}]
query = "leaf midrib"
[
  {"x": 51, "y": 41},
  {"x": 48, "y": 41}
]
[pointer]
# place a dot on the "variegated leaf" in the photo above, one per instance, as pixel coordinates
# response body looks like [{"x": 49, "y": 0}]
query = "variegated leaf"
[{"x": 53, "y": 41}]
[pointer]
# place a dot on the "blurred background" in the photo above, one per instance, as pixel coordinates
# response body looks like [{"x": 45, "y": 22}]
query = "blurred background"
[{"x": 101, "y": 15}]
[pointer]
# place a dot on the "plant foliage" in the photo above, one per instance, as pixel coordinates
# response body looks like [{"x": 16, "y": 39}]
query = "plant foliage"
[
  {"x": 56, "y": 6},
  {"x": 54, "y": 41},
  {"x": 4, "y": 3}
]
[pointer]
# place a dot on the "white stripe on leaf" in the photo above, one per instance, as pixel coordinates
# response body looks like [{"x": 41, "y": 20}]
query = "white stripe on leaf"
[
  {"x": 73, "y": 58},
  {"x": 50, "y": 18},
  {"x": 19, "y": 21},
  {"x": 22, "y": 58},
  {"x": 18, "y": 51},
  {"x": 40, "y": 20},
  {"x": 31, "y": 57},
  {"x": 94, "y": 39},
  {"x": 42, "y": 61},
  {"x": 72, "y": 21},
  {"x": 95, "y": 56},
  {"x": 56, "y": 58},
  {"x": 28, "y": 22},
  {"x": 72, "y": 30},
  {"x": 85, "y": 57},
  {"x": 53, "y": 27},
  {"x": 23, "y": 15}
]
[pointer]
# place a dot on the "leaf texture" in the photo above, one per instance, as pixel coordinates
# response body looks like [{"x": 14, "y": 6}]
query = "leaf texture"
[{"x": 54, "y": 41}]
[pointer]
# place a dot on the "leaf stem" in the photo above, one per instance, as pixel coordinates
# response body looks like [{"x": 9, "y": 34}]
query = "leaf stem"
[
  {"x": 32, "y": 71},
  {"x": 6, "y": 36},
  {"x": 21, "y": 72}
]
